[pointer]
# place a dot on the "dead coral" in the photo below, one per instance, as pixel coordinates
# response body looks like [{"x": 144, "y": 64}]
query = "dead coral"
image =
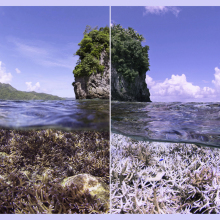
[
  {"x": 33, "y": 163},
  {"x": 179, "y": 178}
]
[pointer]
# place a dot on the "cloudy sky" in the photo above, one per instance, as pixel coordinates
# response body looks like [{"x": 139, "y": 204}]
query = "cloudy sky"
[
  {"x": 184, "y": 50},
  {"x": 37, "y": 45}
]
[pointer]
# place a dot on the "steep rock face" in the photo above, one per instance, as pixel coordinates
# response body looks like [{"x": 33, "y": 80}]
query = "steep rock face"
[
  {"x": 123, "y": 90},
  {"x": 96, "y": 85}
]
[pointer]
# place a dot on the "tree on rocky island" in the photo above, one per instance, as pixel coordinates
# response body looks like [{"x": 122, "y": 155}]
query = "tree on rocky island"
[
  {"x": 128, "y": 56},
  {"x": 92, "y": 68},
  {"x": 129, "y": 64},
  {"x": 92, "y": 45}
]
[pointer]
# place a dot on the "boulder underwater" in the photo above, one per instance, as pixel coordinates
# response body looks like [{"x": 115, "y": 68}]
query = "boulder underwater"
[{"x": 91, "y": 183}]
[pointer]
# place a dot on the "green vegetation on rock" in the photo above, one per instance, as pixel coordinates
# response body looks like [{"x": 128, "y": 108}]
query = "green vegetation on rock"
[
  {"x": 92, "y": 45},
  {"x": 128, "y": 56},
  {"x": 7, "y": 92}
]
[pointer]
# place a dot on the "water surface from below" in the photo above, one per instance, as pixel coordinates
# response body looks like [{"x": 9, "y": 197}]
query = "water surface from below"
[
  {"x": 62, "y": 114},
  {"x": 191, "y": 122}
]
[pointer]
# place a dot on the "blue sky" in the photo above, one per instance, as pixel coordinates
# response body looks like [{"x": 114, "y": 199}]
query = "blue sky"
[
  {"x": 37, "y": 45},
  {"x": 184, "y": 49}
]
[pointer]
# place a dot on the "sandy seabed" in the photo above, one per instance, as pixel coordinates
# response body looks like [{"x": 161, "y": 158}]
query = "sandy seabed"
[{"x": 163, "y": 178}]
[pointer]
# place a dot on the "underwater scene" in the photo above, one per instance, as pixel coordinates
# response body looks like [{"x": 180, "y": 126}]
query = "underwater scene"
[
  {"x": 54, "y": 157},
  {"x": 165, "y": 158}
]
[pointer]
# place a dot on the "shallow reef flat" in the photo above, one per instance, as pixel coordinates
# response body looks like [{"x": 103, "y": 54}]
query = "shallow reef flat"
[
  {"x": 34, "y": 164},
  {"x": 163, "y": 178}
]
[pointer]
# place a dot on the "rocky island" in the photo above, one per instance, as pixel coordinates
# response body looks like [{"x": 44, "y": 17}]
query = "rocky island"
[
  {"x": 92, "y": 70},
  {"x": 130, "y": 63}
]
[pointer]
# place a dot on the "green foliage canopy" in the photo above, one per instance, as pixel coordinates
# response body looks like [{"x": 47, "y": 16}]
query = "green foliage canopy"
[
  {"x": 128, "y": 56},
  {"x": 94, "y": 42}
]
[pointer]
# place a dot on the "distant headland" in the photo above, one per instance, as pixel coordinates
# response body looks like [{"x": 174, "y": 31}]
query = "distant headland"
[{"x": 7, "y": 92}]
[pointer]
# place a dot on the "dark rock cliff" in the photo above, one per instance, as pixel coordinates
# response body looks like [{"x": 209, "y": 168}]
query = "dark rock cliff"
[
  {"x": 123, "y": 90},
  {"x": 97, "y": 85}
]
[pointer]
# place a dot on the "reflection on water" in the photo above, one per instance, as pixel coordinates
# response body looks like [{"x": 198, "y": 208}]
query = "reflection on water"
[
  {"x": 170, "y": 122},
  {"x": 64, "y": 114}
]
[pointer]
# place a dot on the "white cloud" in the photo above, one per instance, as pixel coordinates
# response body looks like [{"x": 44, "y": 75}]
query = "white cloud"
[
  {"x": 161, "y": 10},
  {"x": 177, "y": 88},
  {"x": 4, "y": 76},
  {"x": 112, "y": 23},
  {"x": 149, "y": 81},
  {"x": 17, "y": 70},
  {"x": 216, "y": 82},
  {"x": 28, "y": 49},
  {"x": 46, "y": 54},
  {"x": 35, "y": 87}
]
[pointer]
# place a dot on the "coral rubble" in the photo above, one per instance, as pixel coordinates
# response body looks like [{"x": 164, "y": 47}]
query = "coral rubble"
[
  {"x": 163, "y": 178},
  {"x": 33, "y": 164}
]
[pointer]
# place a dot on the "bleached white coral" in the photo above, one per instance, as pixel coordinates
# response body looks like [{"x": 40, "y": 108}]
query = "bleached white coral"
[{"x": 163, "y": 178}]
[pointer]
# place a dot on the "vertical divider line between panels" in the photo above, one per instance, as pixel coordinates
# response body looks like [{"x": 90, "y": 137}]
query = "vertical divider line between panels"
[{"x": 110, "y": 202}]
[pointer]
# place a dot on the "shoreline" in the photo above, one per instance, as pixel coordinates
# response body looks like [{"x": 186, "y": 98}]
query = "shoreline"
[{"x": 163, "y": 178}]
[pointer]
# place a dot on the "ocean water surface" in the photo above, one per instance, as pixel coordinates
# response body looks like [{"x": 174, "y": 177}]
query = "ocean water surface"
[
  {"x": 60, "y": 114},
  {"x": 192, "y": 122}
]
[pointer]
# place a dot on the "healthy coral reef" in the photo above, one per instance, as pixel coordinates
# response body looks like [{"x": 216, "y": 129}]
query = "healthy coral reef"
[
  {"x": 163, "y": 178},
  {"x": 33, "y": 164}
]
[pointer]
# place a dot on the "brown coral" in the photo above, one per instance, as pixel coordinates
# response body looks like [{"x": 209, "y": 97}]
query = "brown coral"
[{"x": 33, "y": 164}]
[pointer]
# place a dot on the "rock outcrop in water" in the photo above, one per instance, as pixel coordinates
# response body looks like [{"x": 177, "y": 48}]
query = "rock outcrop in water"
[
  {"x": 96, "y": 85},
  {"x": 130, "y": 63},
  {"x": 92, "y": 70},
  {"x": 123, "y": 90}
]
